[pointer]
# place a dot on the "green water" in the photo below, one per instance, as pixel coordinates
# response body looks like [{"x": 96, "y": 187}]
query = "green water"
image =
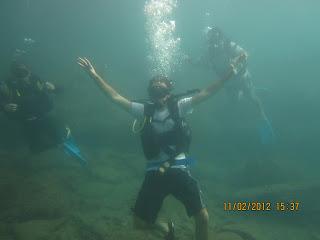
[{"x": 50, "y": 196}]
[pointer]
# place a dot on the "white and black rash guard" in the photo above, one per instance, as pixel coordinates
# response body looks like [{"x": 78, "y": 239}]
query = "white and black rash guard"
[{"x": 160, "y": 121}]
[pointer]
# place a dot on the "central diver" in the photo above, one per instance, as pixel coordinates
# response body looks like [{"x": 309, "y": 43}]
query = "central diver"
[{"x": 165, "y": 137}]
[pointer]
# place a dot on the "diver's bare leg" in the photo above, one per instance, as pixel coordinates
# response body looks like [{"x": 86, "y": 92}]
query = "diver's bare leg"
[
  {"x": 159, "y": 228},
  {"x": 202, "y": 224}
]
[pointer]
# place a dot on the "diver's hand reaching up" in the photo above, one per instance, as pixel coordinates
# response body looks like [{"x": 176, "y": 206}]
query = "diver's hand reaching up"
[
  {"x": 238, "y": 63},
  {"x": 11, "y": 107},
  {"x": 87, "y": 66},
  {"x": 104, "y": 85}
]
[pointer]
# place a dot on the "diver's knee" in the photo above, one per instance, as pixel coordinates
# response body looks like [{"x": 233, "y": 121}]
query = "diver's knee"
[{"x": 202, "y": 218}]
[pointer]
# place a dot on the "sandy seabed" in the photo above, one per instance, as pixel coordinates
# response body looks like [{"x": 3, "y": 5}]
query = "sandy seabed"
[{"x": 51, "y": 197}]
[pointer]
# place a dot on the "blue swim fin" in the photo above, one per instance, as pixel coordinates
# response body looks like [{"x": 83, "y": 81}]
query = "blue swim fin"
[
  {"x": 73, "y": 150},
  {"x": 266, "y": 132},
  {"x": 190, "y": 161}
]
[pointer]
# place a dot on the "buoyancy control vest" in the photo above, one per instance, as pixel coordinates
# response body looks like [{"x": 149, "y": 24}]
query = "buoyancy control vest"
[
  {"x": 172, "y": 142},
  {"x": 33, "y": 99}
]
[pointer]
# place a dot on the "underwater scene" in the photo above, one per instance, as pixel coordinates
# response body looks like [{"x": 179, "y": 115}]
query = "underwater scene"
[{"x": 159, "y": 119}]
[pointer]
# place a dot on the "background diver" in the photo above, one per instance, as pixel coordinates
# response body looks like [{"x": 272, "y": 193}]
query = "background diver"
[
  {"x": 220, "y": 52},
  {"x": 165, "y": 138},
  {"x": 26, "y": 99}
]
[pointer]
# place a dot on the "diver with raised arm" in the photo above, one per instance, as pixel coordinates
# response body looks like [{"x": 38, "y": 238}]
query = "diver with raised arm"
[
  {"x": 165, "y": 137},
  {"x": 220, "y": 51}
]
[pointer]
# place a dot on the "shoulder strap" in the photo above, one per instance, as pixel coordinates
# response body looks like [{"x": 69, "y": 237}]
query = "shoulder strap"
[
  {"x": 149, "y": 109},
  {"x": 173, "y": 108}
]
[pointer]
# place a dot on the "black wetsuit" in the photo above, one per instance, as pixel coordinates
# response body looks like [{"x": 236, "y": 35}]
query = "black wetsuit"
[{"x": 34, "y": 106}]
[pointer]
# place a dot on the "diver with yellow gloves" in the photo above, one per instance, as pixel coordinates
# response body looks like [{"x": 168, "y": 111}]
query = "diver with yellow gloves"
[
  {"x": 26, "y": 99},
  {"x": 165, "y": 138}
]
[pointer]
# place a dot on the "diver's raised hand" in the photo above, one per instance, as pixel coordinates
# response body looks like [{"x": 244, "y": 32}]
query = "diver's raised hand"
[
  {"x": 238, "y": 63},
  {"x": 50, "y": 86},
  {"x": 104, "y": 85},
  {"x": 11, "y": 107},
  {"x": 87, "y": 66}
]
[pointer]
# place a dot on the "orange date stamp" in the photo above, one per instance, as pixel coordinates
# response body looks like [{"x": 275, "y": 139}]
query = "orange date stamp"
[{"x": 261, "y": 206}]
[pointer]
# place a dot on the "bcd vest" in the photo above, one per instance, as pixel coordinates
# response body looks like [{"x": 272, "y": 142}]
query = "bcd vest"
[
  {"x": 179, "y": 137},
  {"x": 32, "y": 100}
]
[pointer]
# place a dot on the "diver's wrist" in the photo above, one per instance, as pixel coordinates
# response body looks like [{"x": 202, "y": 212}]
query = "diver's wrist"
[{"x": 94, "y": 75}]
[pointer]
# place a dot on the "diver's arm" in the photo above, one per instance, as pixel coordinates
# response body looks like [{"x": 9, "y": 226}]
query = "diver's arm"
[
  {"x": 42, "y": 85},
  {"x": 217, "y": 85},
  {"x": 11, "y": 107},
  {"x": 53, "y": 88},
  {"x": 209, "y": 91},
  {"x": 239, "y": 52},
  {"x": 50, "y": 86},
  {"x": 104, "y": 86}
]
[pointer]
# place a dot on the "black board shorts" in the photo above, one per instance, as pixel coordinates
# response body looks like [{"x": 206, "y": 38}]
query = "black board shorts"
[{"x": 156, "y": 187}]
